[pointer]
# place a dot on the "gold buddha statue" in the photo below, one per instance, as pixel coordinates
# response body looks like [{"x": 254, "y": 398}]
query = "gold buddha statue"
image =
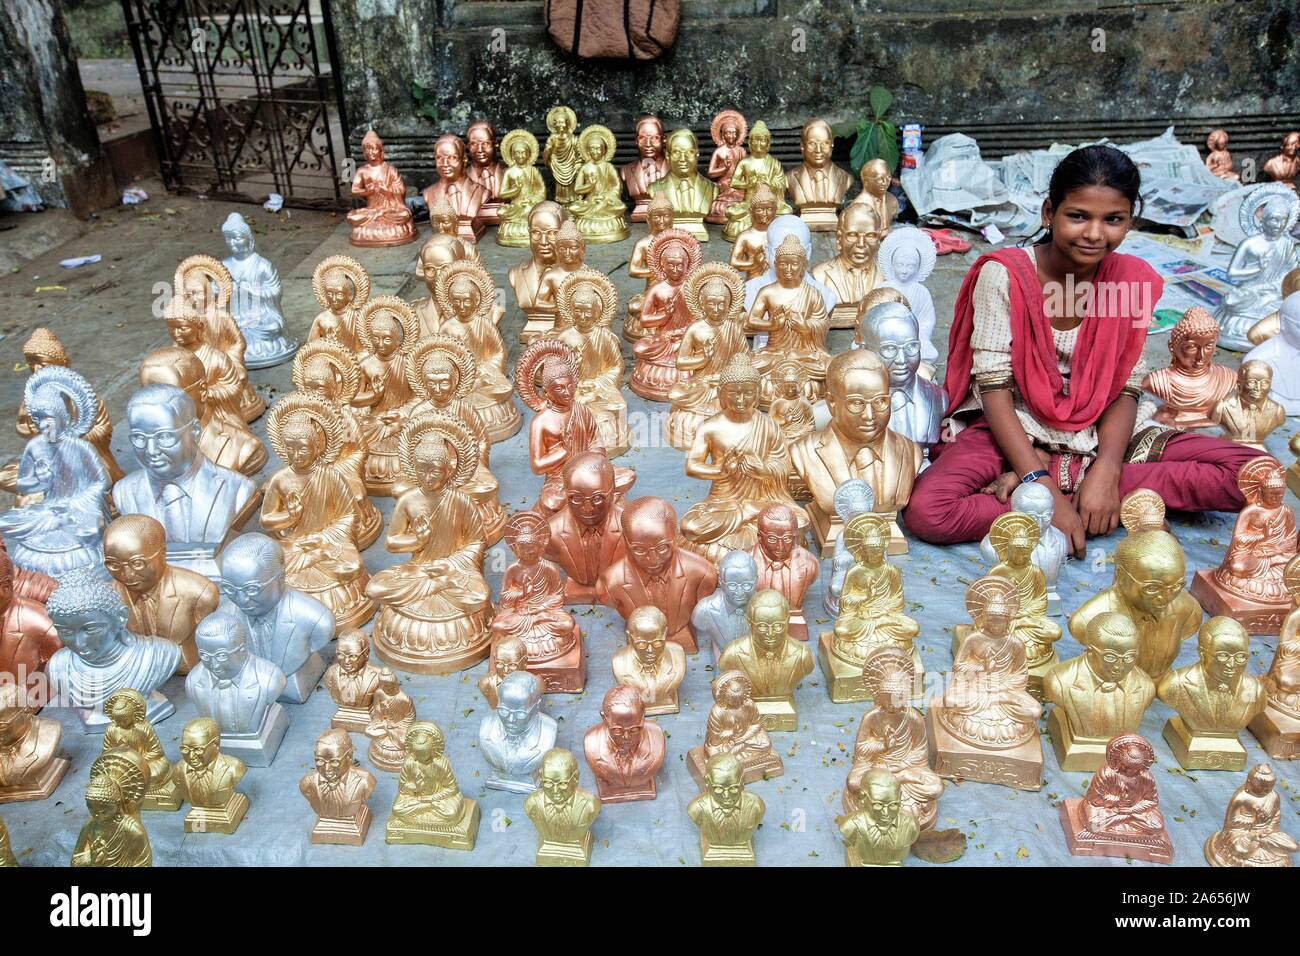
[
  {"x": 341, "y": 285},
  {"x": 749, "y": 251},
  {"x": 650, "y": 662},
  {"x": 585, "y": 307},
  {"x": 1248, "y": 416},
  {"x": 758, "y": 168},
  {"x": 1192, "y": 384},
  {"x": 1278, "y": 728},
  {"x": 871, "y": 613},
  {"x": 735, "y": 727},
  {"x": 1100, "y": 693},
  {"x": 793, "y": 314},
  {"x": 562, "y": 812},
  {"x": 598, "y": 207},
  {"x": 30, "y": 763},
  {"x": 1214, "y": 699},
  {"x": 673, "y": 255},
  {"x": 509, "y": 654},
  {"x": 522, "y": 187},
  {"x": 986, "y": 726},
  {"x": 430, "y": 808},
  {"x": 741, "y": 451},
  {"x": 891, "y": 736},
  {"x": 726, "y": 814},
  {"x": 114, "y": 834},
  {"x": 773, "y": 661},
  {"x": 561, "y": 154},
  {"x": 311, "y": 508},
  {"x": 129, "y": 730},
  {"x": 659, "y": 216},
  {"x": 790, "y": 407},
  {"x": 388, "y": 329},
  {"x": 435, "y": 606},
  {"x": 1252, "y": 826},
  {"x": 714, "y": 295},
  {"x": 207, "y": 779},
  {"x": 881, "y": 832}
]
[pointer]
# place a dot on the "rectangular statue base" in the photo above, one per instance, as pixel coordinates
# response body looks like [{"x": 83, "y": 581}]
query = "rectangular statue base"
[
  {"x": 853, "y": 859},
  {"x": 1202, "y": 751},
  {"x": 639, "y": 213},
  {"x": 609, "y": 793},
  {"x": 564, "y": 675},
  {"x": 457, "y": 836},
  {"x": 827, "y": 529},
  {"x": 1153, "y": 848},
  {"x": 669, "y": 705},
  {"x": 218, "y": 820},
  {"x": 845, "y": 316},
  {"x": 354, "y": 720},
  {"x": 778, "y": 713},
  {"x": 471, "y": 228},
  {"x": 304, "y": 680},
  {"x": 577, "y": 593},
  {"x": 350, "y": 832},
  {"x": 511, "y": 783},
  {"x": 844, "y": 682},
  {"x": 1053, "y": 603},
  {"x": 714, "y": 855},
  {"x": 1256, "y": 618},
  {"x": 1018, "y": 767},
  {"x": 754, "y": 771},
  {"x": 540, "y": 322},
  {"x": 1082, "y": 754},
  {"x": 819, "y": 217},
  {"x": 798, "y": 624},
  {"x": 38, "y": 789},
  {"x": 166, "y": 798},
  {"x": 1277, "y": 733},
  {"x": 565, "y": 854},
  {"x": 258, "y": 750},
  {"x": 157, "y": 707},
  {"x": 694, "y": 224}
]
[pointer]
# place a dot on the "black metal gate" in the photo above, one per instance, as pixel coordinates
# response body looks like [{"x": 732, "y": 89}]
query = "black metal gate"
[{"x": 241, "y": 99}]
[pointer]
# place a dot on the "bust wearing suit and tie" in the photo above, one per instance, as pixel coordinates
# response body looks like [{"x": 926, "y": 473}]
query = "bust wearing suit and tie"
[
  {"x": 586, "y": 533},
  {"x": 196, "y": 501},
  {"x": 455, "y": 185},
  {"x": 284, "y": 626},
  {"x": 690, "y": 193}
]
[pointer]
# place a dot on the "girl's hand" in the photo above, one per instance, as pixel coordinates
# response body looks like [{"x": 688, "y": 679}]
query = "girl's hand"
[
  {"x": 1067, "y": 520},
  {"x": 1097, "y": 499},
  {"x": 1002, "y": 486}
]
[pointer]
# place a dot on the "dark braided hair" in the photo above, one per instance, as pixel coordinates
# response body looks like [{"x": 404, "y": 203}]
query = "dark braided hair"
[{"x": 1097, "y": 165}]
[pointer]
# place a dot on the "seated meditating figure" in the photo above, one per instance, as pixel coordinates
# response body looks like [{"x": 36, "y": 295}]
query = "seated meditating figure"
[
  {"x": 852, "y": 498},
  {"x": 570, "y": 256},
  {"x": 388, "y": 330},
  {"x": 735, "y": 727},
  {"x": 749, "y": 252},
  {"x": 585, "y": 306},
  {"x": 255, "y": 303},
  {"x": 445, "y": 221},
  {"x": 760, "y": 167},
  {"x": 114, "y": 835},
  {"x": 659, "y": 217},
  {"x": 1252, "y": 826},
  {"x": 906, "y": 259},
  {"x": 203, "y": 291},
  {"x": 790, "y": 407},
  {"x": 728, "y": 130},
  {"x": 522, "y": 186},
  {"x": 1014, "y": 537},
  {"x": 742, "y": 452},
  {"x": 310, "y": 508},
  {"x": 793, "y": 314},
  {"x": 673, "y": 255},
  {"x": 1267, "y": 215},
  {"x": 598, "y": 207},
  {"x": 342, "y": 287},
  {"x": 430, "y": 807},
  {"x": 384, "y": 220},
  {"x": 435, "y": 606},
  {"x": 715, "y": 297},
  {"x": 391, "y": 714},
  {"x": 1192, "y": 383},
  {"x": 436, "y": 254},
  {"x": 128, "y": 729},
  {"x": 1120, "y": 814},
  {"x": 1278, "y": 728}
]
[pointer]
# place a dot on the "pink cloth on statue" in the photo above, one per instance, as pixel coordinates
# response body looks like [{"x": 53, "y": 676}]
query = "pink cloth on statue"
[{"x": 1194, "y": 473}]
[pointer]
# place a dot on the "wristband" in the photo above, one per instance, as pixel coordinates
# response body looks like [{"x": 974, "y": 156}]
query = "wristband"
[{"x": 1033, "y": 476}]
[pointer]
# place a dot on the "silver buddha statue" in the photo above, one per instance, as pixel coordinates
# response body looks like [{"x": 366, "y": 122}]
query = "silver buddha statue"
[
  {"x": 720, "y": 618},
  {"x": 852, "y": 498},
  {"x": 1053, "y": 549},
  {"x": 238, "y": 690},
  {"x": 64, "y": 529},
  {"x": 196, "y": 502},
  {"x": 781, "y": 227},
  {"x": 255, "y": 301},
  {"x": 284, "y": 626},
  {"x": 1264, "y": 256},
  {"x": 100, "y": 656},
  {"x": 516, "y": 736},
  {"x": 917, "y": 404}
]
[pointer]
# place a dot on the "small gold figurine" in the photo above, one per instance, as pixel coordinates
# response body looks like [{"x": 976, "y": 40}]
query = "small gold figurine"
[
  {"x": 1278, "y": 728},
  {"x": 871, "y": 613},
  {"x": 749, "y": 252},
  {"x": 793, "y": 314},
  {"x": 509, "y": 654},
  {"x": 1248, "y": 586},
  {"x": 391, "y": 715},
  {"x": 1214, "y": 699},
  {"x": 598, "y": 207},
  {"x": 650, "y": 662},
  {"x": 735, "y": 727},
  {"x": 207, "y": 779},
  {"x": 759, "y": 167},
  {"x": 543, "y": 228},
  {"x": 114, "y": 834},
  {"x": 30, "y": 763},
  {"x": 585, "y": 307},
  {"x": 659, "y": 216},
  {"x": 310, "y": 507},
  {"x": 773, "y": 661},
  {"x": 435, "y": 606},
  {"x": 714, "y": 295},
  {"x": 728, "y": 131},
  {"x": 1248, "y": 416},
  {"x": 726, "y": 814},
  {"x": 522, "y": 187},
  {"x": 561, "y": 154},
  {"x": 690, "y": 193},
  {"x": 129, "y": 730},
  {"x": 384, "y": 220},
  {"x": 1252, "y": 826},
  {"x": 891, "y": 736},
  {"x": 875, "y": 177},
  {"x": 430, "y": 808},
  {"x": 881, "y": 832},
  {"x": 817, "y": 185},
  {"x": 624, "y": 751},
  {"x": 352, "y": 681},
  {"x": 986, "y": 726},
  {"x": 562, "y": 812},
  {"x": 853, "y": 273},
  {"x": 1192, "y": 384},
  {"x": 341, "y": 285},
  {"x": 1120, "y": 814},
  {"x": 1098, "y": 694},
  {"x": 389, "y": 329},
  {"x": 672, "y": 257},
  {"x": 337, "y": 791}
]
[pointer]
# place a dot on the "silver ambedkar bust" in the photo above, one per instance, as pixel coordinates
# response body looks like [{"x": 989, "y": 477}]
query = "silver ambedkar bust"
[
  {"x": 238, "y": 690},
  {"x": 516, "y": 736},
  {"x": 284, "y": 626},
  {"x": 720, "y": 618},
  {"x": 916, "y": 404},
  {"x": 100, "y": 656},
  {"x": 1053, "y": 549},
  {"x": 64, "y": 530},
  {"x": 255, "y": 301},
  {"x": 197, "y": 502},
  {"x": 1264, "y": 256},
  {"x": 781, "y": 227},
  {"x": 852, "y": 498}
]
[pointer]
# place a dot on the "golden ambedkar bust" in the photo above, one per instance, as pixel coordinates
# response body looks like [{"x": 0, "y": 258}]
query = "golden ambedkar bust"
[{"x": 690, "y": 193}]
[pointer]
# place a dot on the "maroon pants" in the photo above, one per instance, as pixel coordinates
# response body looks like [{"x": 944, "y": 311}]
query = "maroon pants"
[{"x": 1194, "y": 473}]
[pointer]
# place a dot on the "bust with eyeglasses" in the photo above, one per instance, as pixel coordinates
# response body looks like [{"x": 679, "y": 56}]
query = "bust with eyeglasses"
[
  {"x": 1215, "y": 699},
  {"x": 238, "y": 689},
  {"x": 196, "y": 501},
  {"x": 1098, "y": 694},
  {"x": 284, "y": 626},
  {"x": 857, "y": 443},
  {"x": 916, "y": 404}
]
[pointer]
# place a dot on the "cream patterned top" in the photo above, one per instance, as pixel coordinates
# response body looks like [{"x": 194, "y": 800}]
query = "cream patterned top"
[{"x": 991, "y": 366}]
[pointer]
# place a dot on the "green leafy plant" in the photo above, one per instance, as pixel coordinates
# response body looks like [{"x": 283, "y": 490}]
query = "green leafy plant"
[
  {"x": 426, "y": 101},
  {"x": 874, "y": 138}
]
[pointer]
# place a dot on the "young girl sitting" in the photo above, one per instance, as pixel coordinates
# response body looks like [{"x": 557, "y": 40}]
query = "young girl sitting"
[{"x": 1044, "y": 372}]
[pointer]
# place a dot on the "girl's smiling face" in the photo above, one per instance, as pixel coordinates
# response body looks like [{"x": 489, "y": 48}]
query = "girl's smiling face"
[{"x": 1089, "y": 223}]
